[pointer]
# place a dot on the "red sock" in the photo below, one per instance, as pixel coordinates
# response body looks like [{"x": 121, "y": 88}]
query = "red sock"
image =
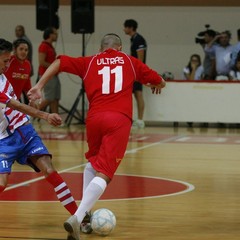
[
  {"x": 1, "y": 188},
  {"x": 63, "y": 192}
]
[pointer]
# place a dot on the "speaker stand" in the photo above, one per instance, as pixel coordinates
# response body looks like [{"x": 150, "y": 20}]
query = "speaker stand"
[{"x": 81, "y": 95}]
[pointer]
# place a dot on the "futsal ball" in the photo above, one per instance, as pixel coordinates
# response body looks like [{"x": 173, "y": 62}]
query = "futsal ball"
[
  {"x": 103, "y": 221},
  {"x": 167, "y": 75}
]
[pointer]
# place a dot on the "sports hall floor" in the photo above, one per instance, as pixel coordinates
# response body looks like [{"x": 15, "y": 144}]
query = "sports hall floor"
[{"x": 174, "y": 183}]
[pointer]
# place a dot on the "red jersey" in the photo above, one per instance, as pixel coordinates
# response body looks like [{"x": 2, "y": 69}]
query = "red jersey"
[
  {"x": 18, "y": 74},
  {"x": 49, "y": 50},
  {"x": 108, "y": 79}
]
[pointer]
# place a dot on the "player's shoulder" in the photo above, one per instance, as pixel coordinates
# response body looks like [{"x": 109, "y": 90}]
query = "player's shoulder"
[{"x": 140, "y": 36}]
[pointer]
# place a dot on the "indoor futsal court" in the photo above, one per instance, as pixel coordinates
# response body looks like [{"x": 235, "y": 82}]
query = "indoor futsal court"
[{"x": 174, "y": 183}]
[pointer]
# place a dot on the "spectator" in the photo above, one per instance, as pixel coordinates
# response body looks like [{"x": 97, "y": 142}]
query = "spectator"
[
  {"x": 20, "y": 33},
  {"x": 108, "y": 79},
  {"x": 194, "y": 69},
  {"x": 236, "y": 50},
  {"x": 209, "y": 60},
  {"x": 19, "y": 69},
  {"x": 222, "y": 53},
  {"x": 47, "y": 55},
  {"x": 235, "y": 73},
  {"x": 138, "y": 50}
]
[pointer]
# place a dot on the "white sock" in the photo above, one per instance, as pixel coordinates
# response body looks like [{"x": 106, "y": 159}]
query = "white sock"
[
  {"x": 92, "y": 193},
  {"x": 88, "y": 175}
]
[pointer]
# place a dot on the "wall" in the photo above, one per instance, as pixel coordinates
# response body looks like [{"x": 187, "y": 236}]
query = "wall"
[
  {"x": 170, "y": 33},
  {"x": 197, "y": 101}
]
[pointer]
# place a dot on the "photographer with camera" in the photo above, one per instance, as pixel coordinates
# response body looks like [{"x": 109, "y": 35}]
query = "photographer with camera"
[
  {"x": 222, "y": 53},
  {"x": 203, "y": 39}
]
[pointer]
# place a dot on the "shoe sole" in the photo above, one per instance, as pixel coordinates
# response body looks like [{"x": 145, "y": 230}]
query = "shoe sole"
[
  {"x": 71, "y": 238},
  {"x": 68, "y": 227}
]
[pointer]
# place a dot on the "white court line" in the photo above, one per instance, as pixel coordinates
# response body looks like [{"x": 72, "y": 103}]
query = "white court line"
[
  {"x": 83, "y": 165},
  {"x": 40, "y": 178}
]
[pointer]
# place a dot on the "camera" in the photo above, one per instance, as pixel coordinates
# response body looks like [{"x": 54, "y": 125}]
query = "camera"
[
  {"x": 200, "y": 40},
  {"x": 200, "y": 37}
]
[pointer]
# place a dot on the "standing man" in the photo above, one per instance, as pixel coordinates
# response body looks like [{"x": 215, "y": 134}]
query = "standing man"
[
  {"x": 108, "y": 79},
  {"x": 222, "y": 53},
  {"x": 138, "y": 50},
  {"x": 209, "y": 60},
  {"x": 47, "y": 55}
]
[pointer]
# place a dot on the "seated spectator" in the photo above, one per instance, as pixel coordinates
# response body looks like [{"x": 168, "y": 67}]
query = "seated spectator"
[
  {"x": 234, "y": 74},
  {"x": 194, "y": 69}
]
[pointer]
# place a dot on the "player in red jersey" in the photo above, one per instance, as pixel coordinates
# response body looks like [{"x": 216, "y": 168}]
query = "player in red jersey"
[
  {"x": 19, "y": 69},
  {"x": 108, "y": 79},
  {"x": 19, "y": 142}
]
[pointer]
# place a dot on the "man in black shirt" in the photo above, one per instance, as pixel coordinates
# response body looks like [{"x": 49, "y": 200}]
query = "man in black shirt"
[{"x": 138, "y": 50}]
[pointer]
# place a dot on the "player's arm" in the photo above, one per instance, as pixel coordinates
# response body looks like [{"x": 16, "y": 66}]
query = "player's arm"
[
  {"x": 156, "y": 89},
  {"x": 52, "y": 118},
  {"x": 140, "y": 54}
]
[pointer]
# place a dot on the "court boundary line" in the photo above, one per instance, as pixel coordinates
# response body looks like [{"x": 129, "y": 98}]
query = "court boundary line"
[{"x": 190, "y": 187}]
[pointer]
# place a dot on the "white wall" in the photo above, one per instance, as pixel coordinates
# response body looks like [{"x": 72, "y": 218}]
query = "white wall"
[
  {"x": 169, "y": 31},
  {"x": 197, "y": 101}
]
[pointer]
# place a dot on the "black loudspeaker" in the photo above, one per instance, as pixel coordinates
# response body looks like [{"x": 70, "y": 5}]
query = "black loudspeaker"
[
  {"x": 82, "y": 16},
  {"x": 46, "y": 12}
]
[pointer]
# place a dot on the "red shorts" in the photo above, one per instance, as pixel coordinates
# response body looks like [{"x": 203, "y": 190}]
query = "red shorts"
[{"x": 107, "y": 137}]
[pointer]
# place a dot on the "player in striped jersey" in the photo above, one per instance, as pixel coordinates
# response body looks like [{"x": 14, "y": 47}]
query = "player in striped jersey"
[{"x": 20, "y": 142}]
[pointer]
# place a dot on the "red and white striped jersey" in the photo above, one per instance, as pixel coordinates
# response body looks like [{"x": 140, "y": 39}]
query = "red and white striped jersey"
[{"x": 9, "y": 119}]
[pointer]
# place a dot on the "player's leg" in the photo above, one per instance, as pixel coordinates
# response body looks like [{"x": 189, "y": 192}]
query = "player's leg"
[
  {"x": 54, "y": 94},
  {"x": 44, "y": 164},
  {"x": 40, "y": 159},
  {"x": 43, "y": 105},
  {"x": 3, "y": 181},
  {"x": 88, "y": 174},
  {"x": 94, "y": 142},
  {"x": 9, "y": 149},
  {"x": 92, "y": 193},
  {"x": 138, "y": 94},
  {"x": 115, "y": 129},
  {"x": 140, "y": 103}
]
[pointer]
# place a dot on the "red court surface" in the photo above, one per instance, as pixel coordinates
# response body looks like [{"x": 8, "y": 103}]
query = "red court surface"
[{"x": 121, "y": 187}]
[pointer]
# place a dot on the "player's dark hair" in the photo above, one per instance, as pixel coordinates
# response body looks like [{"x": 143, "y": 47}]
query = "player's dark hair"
[
  {"x": 19, "y": 41},
  {"x": 228, "y": 33},
  {"x": 131, "y": 23},
  {"x": 5, "y": 46},
  {"x": 47, "y": 32}
]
